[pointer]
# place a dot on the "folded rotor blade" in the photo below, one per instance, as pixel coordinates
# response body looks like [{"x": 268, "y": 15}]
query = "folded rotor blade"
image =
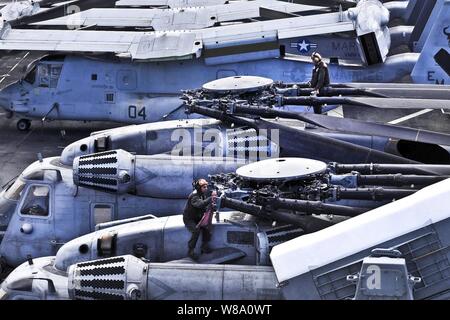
[{"x": 354, "y": 126}]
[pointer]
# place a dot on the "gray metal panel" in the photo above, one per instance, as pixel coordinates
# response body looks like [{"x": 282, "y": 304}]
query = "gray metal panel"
[{"x": 425, "y": 250}]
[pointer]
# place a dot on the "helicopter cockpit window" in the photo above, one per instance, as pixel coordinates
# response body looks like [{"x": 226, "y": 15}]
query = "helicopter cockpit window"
[
  {"x": 44, "y": 174},
  {"x": 52, "y": 175},
  {"x": 44, "y": 77},
  {"x": 49, "y": 75},
  {"x": 21, "y": 285},
  {"x": 36, "y": 201},
  {"x": 35, "y": 175},
  {"x": 31, "y": 76},
  {"x": 15, "y": 190}
]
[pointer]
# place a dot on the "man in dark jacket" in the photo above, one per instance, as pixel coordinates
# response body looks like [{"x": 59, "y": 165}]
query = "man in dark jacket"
[
  {"x": 193, "y": 212},
  {"x": 320, "y": 78}
]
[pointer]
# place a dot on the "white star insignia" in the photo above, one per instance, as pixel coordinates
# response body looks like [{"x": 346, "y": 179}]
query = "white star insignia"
[{"x": 303, "y": 46}]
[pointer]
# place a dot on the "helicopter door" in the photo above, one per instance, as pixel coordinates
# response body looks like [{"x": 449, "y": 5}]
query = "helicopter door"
[
  {"x": 100, "y": 213},
  {"x": 35, "y": 222}
]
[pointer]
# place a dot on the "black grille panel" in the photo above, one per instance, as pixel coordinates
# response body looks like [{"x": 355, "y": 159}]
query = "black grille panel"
[
  {"x": 97, "y": 295},
  {"x": 103, "y": 284},
  {"x": 101, "y": 262},
  {"x": 102, "y": 271}
]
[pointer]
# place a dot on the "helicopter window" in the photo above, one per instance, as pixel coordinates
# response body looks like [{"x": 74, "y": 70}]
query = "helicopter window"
[
  {"x": 37, "y": 201},
  {"x": 94, "y": 77},
  {"x": 52, "y": 175},
  {"x": 102, "y": 213},
  {"x": 46, "y": 174},
  {"x": 15, "y": 190},
  {"x": 21, "y": 285},
  {"x": 49, "y": 75},
  {"x": 109, "y": 97},
  {"x": 35, "y": 175},
  {"x": 42, "y": 285},
  {"x": 54, "y": 76},
  {"x": 31, "y": 76},
  {"x": 44, "y": 80}
]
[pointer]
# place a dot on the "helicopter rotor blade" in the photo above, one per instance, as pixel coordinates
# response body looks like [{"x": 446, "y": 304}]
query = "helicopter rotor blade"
[
  {"x": 401, "y": 103},
  {"x": 378, "y": 129},
  {"x": 300, "y": 143},
  {"x": 383, "y": 103},
  {"x": 354, "y": 126}
]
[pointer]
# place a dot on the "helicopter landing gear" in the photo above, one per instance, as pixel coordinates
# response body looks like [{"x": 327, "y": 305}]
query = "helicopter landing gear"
[{"x": 23, "y": 125}]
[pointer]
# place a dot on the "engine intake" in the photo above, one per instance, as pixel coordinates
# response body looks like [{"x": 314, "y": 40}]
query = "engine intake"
[
  {"x": 108, "y": 171},
  {"x": 118, "y": 278}
]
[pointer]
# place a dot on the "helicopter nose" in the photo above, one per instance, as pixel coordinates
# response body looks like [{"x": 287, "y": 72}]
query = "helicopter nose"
[
  {"x": 76, "y": 149},
  {"x": 13, "y": 99},
  {"x": 7, "y": 208}
]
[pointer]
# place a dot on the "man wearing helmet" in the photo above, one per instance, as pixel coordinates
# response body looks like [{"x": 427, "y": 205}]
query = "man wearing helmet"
[
  {"x": 320, "y": 77},
  {"x": 196, "y": 207}
]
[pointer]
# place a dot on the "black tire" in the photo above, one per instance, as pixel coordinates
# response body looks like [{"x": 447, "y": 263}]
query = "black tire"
[{"x": 23, "y": 125}]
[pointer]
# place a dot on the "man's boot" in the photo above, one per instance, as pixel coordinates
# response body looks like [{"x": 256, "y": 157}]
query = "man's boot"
[
  {"x": 206, "y": 248},
  {"x": 191, "y": 254}
]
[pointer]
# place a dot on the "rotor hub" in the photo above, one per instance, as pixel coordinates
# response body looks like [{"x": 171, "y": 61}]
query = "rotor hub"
[
  {"x": 281, "y": 169},
  {"x": 238, "y": 85}
]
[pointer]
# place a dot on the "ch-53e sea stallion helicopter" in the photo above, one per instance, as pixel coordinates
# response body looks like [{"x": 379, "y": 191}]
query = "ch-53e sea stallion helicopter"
[
  {"x": 127, "y": 91},
  {"x": 411, "y": 267}
]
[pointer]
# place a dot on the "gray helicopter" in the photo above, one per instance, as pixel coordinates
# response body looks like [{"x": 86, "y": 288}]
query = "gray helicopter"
[
  {"x": 306, "y": 267},
  {"x": 127, "y": 91},
  {"x": 127, "y": 102}
]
